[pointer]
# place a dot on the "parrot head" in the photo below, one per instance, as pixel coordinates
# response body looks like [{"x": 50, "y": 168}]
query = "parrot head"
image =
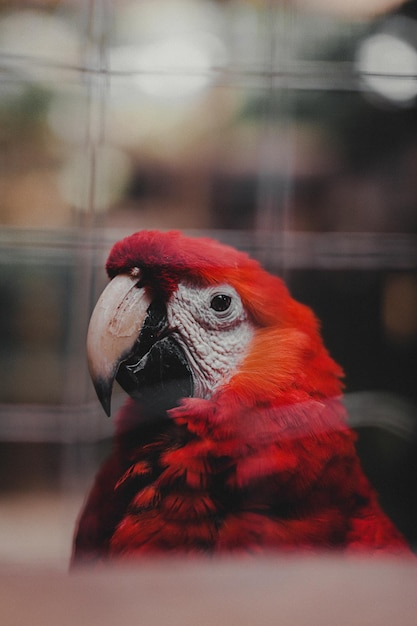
[{"x": 185, "y": 317}]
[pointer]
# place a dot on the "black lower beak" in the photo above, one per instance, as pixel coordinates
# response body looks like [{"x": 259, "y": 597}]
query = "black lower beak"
[
  {"x": 158, "y": 379},
  {"x": 156, "y": 373}
]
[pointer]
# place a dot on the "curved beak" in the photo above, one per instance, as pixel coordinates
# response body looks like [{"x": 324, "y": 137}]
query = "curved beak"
[{"x": 115, "y": 325}]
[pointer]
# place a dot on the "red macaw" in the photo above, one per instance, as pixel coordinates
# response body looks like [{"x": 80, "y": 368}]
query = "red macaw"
[{"x": 234, "y": 437}]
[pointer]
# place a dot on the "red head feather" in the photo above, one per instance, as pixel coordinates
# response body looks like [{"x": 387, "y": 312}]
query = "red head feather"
[{"x": 299, "y": 365}]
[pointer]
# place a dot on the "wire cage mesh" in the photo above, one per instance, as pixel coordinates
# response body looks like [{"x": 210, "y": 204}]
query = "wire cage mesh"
[{"x": 287, "y": 129}]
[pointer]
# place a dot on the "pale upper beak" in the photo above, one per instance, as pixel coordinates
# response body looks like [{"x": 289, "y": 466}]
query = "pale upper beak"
[{"x": 114, "y": 327}]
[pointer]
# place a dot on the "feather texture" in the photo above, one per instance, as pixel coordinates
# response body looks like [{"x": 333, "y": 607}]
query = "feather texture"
[{"x": 267, "y": 462}]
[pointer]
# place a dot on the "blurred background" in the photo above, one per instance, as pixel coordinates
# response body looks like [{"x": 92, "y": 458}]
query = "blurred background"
[{"x": 286, "y": 128}]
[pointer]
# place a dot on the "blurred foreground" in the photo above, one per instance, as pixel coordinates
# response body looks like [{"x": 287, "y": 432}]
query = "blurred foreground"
[{"x": 293, "y": 592}]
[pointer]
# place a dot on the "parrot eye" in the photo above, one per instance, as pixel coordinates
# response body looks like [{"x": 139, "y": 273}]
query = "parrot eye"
[{"x": 220, "y": 302}]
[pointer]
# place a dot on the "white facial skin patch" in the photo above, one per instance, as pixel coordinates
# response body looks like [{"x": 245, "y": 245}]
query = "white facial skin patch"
[{"x": 211, "y": 325}]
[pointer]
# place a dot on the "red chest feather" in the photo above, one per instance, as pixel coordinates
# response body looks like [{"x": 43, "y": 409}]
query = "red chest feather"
[{"x": 292, "y": 481}]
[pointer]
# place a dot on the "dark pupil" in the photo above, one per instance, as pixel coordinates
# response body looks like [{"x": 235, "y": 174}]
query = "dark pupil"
[{"x": 220, "y": 302}]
